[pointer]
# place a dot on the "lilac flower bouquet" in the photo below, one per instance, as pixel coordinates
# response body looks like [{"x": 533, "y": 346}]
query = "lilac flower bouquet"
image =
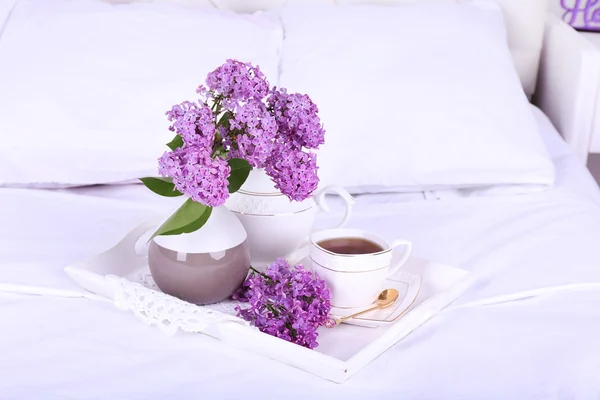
[
  {"x": 290, "y": 304},
  {"x": 239, "y": 123}
]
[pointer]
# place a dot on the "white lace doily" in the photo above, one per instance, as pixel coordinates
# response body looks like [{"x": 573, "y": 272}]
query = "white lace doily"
[{"x": 141, "y": 295}]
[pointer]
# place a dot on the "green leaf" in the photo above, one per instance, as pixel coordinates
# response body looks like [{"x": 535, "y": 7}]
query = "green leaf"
[
  {"x": 194, "y": 226},
  {"x": 224, "y": 119},
  {"x": 161, "y": 186},
  {"x": 188, "y": 218},
  {"x": 240, "y": 169},
  {"x": 176, "y": 143}
]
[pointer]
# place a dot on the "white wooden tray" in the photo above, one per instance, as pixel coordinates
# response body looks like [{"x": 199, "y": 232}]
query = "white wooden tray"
[{"x": 121, "y": 276}]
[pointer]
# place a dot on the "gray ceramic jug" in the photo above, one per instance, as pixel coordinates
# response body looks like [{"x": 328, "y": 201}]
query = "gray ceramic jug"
[{"x": 205, "y": 266}]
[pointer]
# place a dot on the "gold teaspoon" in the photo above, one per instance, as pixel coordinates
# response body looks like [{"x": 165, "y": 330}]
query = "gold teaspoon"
[{"x": 385, "y": 299}]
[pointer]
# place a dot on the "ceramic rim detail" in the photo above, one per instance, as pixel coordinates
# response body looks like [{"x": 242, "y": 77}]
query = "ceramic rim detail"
[
  {"x": 271, "y": 215},
  {"x": 247, "y": 193},
  {"x": 349, "y": 255},
  {"x": 347, "y": 272}
]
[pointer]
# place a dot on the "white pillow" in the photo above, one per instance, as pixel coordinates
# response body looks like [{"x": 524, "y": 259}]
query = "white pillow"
[
  {"x": 524, "y": 19},
  {"x": 414, "y": 97},
  {"x": 84, "y": 85},
  {"x": 525, "y": 25}
]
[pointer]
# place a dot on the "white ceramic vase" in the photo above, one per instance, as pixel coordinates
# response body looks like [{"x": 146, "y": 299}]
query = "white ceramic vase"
[
  {"x": 205, "y": 266},
  {"x": 276, "y": 226}
]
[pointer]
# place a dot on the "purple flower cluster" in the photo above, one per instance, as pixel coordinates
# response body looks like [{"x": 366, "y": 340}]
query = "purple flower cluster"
[
  {"x": 297, "y": 119},
  {"x": 196, "y": 174},
  {"x": 270, "y": 129},
  {"x": 194, "y": 123},
  {"x": 290, "y": 304},
  {"x": 294, "y": 172},
  {"x": 237, "y": 82},
  {"x": 254, "y": 130}
]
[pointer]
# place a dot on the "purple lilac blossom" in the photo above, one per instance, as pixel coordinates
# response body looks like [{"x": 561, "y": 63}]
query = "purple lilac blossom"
[
  {"x": 293, "y": 171},
  {"x": 290, "y": 304},
  {"x": 194, "y": 123},
  {"x": 196, "y": 174},
  {"x": 237, "y": 82},
  {"x": 270, "y": 136},
  {"x": 253, "y": 131},
  {"x": 297, "y": 119},
  {"x": 202, "y": 91}
]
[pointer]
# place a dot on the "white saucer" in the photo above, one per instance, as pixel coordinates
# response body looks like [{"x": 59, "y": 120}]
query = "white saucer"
[{"x": 407, "y": 284}]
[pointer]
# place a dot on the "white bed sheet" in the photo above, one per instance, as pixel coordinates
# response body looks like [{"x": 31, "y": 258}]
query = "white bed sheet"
[
  {"x": 542, "y": 346},
  {"x": 6, "y": 7}
]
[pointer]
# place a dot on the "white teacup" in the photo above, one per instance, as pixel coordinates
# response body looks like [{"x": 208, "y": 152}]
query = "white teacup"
[
  {"x": 355, "y": 280},
  {"x": 278, "y": 227}
]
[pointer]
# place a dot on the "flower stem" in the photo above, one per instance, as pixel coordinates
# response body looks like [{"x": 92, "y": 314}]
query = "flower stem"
[
  {"x": 273, "y": 310},
  {"x": 216, "y": 100},
  {"x": 261, "y": 273},
  {"x": 293, "y": 332},
  {"x": 254, "y": 270}
]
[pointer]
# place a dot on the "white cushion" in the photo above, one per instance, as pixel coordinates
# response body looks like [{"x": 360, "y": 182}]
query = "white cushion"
[
  {"x": 525, "y": 24},
  {"x": 84, "y": 85},
  {"x": 414, "y": 97},
  {"x": 524, "y": 21}
]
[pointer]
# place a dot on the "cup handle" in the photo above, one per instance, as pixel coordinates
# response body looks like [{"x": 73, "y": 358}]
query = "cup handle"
[
  {"x": 343, "y": 193},
  {"x": 303, "y": 250},
  {"x": 398, "y": 264}
]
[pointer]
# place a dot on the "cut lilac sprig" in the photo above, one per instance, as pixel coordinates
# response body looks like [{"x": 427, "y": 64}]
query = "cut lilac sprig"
[
  {"x": 197, "y": 174},
  {"x": 252, "y": 131},
  {"x": 297, "y": 119},
  {"x": 238, "y": 82},
  {"x": 288, "y": 303},
  {"x": 237, "y": 123},
  {"x": 194, "y": 123},
  {"x": 294, "y": 172}
]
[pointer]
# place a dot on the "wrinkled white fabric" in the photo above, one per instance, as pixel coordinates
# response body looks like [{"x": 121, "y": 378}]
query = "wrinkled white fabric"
[{"x": 540, "y": 346}]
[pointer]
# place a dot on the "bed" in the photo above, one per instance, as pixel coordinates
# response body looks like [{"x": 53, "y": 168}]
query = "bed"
[{"x": 527, "y": 330}]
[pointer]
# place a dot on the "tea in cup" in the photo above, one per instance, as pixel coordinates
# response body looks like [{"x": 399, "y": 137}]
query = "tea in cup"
[{"x": 355, "y": 264}]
